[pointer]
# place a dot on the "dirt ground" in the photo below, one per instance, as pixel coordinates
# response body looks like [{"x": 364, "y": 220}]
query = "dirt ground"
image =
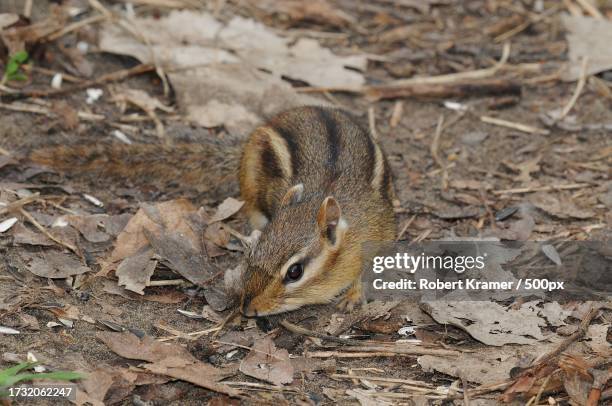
[{"x": 446, "y": 37}]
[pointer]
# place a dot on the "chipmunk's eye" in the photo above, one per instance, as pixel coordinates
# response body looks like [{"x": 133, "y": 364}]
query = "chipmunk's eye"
[{"x": 295, "y": 272}]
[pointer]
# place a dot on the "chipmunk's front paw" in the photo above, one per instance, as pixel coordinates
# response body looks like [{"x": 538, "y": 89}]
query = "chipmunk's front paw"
[{"x": 352, "y": 298}]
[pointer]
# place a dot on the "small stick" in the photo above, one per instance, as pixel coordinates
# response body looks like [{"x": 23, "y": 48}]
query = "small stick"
[
  {"x": 387, "y": 353},
  {"x": 399, "y": 348},
  {"x": 591, "y": 9},
  {"x": 28, "y": 108},
  {"x": 458, "y": 77},
  {"x": 261, "y": 386},
  {"x": 578, "y": 334},
  {"x": 65, "y": 76},
  {"x": 396, "y": 115},
  {"x": 168, "y": 282},
  {"x": 577, "y": 91},
  {"x": 197, "y": 334},
  {"x": 75, "y": 26},
  {"x": 516, "y": 126},
  {"x": 542, "y": 388},
  {"x": 428, "y": 91},
  {"x": 4, "y": 152},
  {"x": 408, "y": 223},
  {"x": 571, "y": 186},
  {"x": 294, "y": 328},
  {"x": 435, "y": 145},
  {"x": 466, "y": 396},
  {"x": 18, "y": 204},
  {"x": 45, "y": 232},
  {"x": 110, "y": 77},
  {"x": 27, "y": 8},
  {"x": 384, "y": 379},
  {"x": 521, "y": 27}
]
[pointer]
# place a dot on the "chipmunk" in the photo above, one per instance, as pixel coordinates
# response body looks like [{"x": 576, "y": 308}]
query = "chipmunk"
[{"x": 315, "y": 184}]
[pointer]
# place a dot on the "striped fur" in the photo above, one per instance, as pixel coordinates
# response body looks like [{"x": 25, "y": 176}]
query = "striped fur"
[{"x": 342, "y": 169}]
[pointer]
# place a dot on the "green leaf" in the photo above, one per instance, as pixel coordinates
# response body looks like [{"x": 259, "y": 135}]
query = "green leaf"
[
  {"x": 9, "y": 372},
  {"x": 59, "y": 376},
  {"x": 11, "y": 72},
  {"x": 20, "y": 57}
]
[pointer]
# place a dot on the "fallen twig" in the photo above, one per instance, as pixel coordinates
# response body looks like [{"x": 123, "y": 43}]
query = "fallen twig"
[
  {"x": 110, "y": 77},
  {"x": 516, "y": 126},
  {"x": 75, "y": 26},
  {"x": 591, "y": 9},
  {"x": 579, "y": 86},
  {"x": 381, "y": 352},
  {"x": 385, "y": 379},
  {"x": 18, "y": 204},
  {"x": 43, "y": 230},
  {"x": 523, "y": 26},
  {"x": 435, "y": 145},
  {"x": 582, "y": 329},
  {"x": 455, "y": 89},
  {"x": 294, "y": 328},
  {"x": 570, "y": 186}
]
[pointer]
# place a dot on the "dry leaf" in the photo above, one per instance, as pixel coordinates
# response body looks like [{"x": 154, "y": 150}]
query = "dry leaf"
[
  {"x": 268, "y": 363},
  {"x": 140, "y": 99},
  {"x": 98, "y": 228},
  {"x": 167, "y": 359},
  {"x": 597, "y": 336},
  {"x": 488, "y": 322},
  {"x": 228, "y": 208},
  {"x": 135, "y": 271},
  {"x": 587, "y": 38},
  {"x": 239, "y": 65},
  {"x": 561, "y": 207},
  {"x": 52, "y": 264},
  {"x": 486, "y": 365}
]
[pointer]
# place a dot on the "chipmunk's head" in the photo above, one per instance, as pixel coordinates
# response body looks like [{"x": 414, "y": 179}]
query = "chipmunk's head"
[{"x": 293, "y": 262}]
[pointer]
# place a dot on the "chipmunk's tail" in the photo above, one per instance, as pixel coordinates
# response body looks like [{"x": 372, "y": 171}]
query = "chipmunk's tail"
[{"x": 206, "y": 166}]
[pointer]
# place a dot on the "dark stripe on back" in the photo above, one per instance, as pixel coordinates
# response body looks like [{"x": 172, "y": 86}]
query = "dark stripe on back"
[
  {"x": 371, "y": 159},
  {"x": 369, "y": 143},
  {"x": 292, "y": 146},
  {"x": 270, "y": 164},
  {"x": 333, "y": 140}
]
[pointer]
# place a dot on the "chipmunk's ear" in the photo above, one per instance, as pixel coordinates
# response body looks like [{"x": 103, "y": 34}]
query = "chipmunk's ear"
[
  {"x": 330, "y": 222},
  {"x": 293, "y": 195}
]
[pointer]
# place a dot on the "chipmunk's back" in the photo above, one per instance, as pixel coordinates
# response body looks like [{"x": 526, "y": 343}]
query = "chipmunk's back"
[{"x": 324, "y": 149}]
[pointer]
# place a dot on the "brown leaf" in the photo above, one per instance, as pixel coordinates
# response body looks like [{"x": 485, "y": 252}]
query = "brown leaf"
[
  {"x": 228, "y": 208},
  {"x": 170, "y": 215},
  {"x": 167, "y": 359},
  {"x": 52, "y": 264},
  {"x": 135, "y": 272},
  {"x": 560, "y": 207},
  {"x": 268, "y": 363},
  {"x": 99, "y": 227}
]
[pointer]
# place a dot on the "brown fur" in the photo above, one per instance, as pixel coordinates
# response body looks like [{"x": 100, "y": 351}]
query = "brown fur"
[{"x": 331, "y": 156}]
